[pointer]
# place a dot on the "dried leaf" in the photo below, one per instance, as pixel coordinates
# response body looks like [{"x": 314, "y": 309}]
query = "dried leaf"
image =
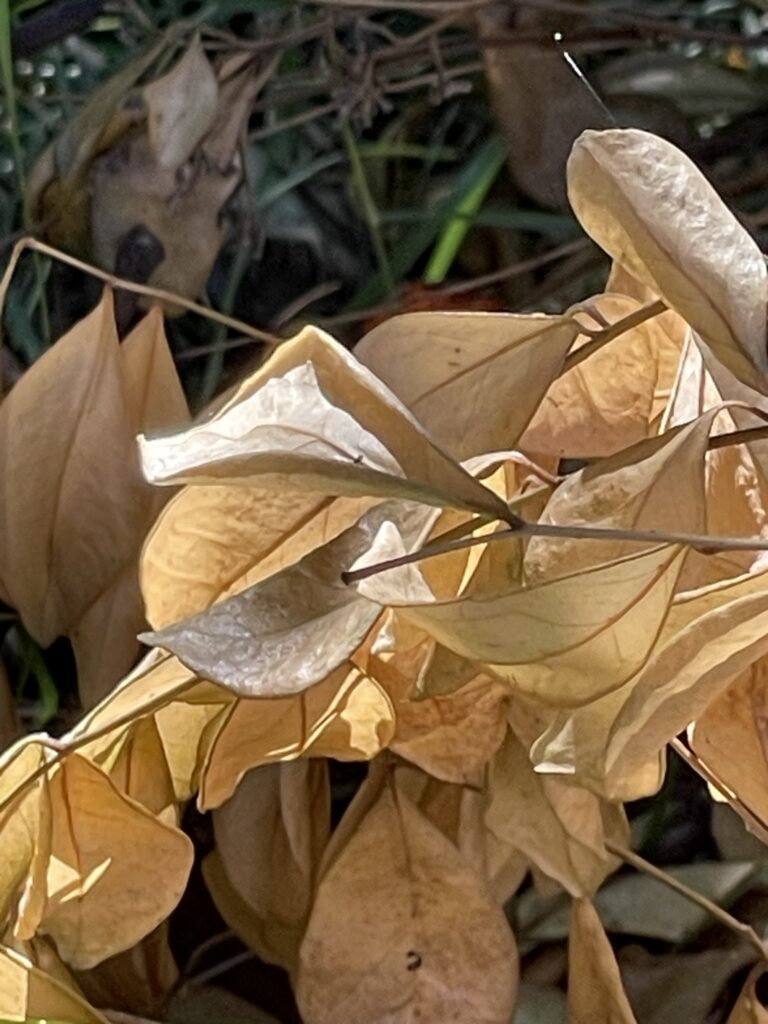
[
  {"x": 455, "y": 371},
  {"x": 454, "y": 736},
  {"x": 614, "y": 398},
  {"x": 293, "y": 629},
  {"x": 731, "y": 738},
  {"x": 750, "y": 1008},
  {"x": 270, "y": 837},
  {"x": 313, "y": 418},
  {"x": 558, "y": 827},
  {"x": 650, "y": 208},
  {"x": 347, "y": 716},
  {"x": 211, "y": 542},
  {"x": 595, "y": 989},
  {"x": 25, "y": 840},
  {"x": 708, "y": 639},
  {"x": 181, "y": 107},
  {"x": 402, "y": 929},
  {"x": 115, "y": 871},
  {"x": 143, "y": 977},
  {"x": 654, "y": 485},
  {"x": 29, "y": 994},
  {"x": 76, "y": 508},
  {"x": 565, "y": 641}
]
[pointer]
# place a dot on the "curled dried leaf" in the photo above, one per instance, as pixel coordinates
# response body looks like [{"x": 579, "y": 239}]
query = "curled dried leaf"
[{"x": 652, "y": 210}]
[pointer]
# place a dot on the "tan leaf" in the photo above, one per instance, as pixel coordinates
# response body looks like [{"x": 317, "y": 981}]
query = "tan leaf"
[
  {"x": 187, "y": 729},
  {"x": 290, "y": 631},
  {"x": 558, "y": 827},
  {"x": 181, "y": 107},
  {"x": 402, "y": 929},
  {"x": 453, "y": 737},
  {"x": 615, "y": 397},
  {"x": 115, "y": 871},
  {"x": 737, "y": 489},
  {"x": 75, "y": 506},
  {"x": 27, "y": 993},
  {"x": 749, "y": 1008},
  {"x": 347, "y": 716},
  {"x": 153, "y": 390},
  {"x": 595, "y": 989},
  {"x": 270, "y": 837},
  {"x": 25, "y": 827},
  {"x": 650, "y": 208},
  {"x": 708, "y": 639},
  {"x": 143, "y": 977},
  {"x": 565, "y": 641},
  {"x": 456, "y": 371},
  {"x": 731, "y": 738},
  {"x": 654, "y": 485},
  {"x": 313, "y": 418},
  {"x": 211, "y": 542},
  {"x": 575, "y": 742},
  {"x": 615, "y": 744},
  {"x": 135, "y": 761}
]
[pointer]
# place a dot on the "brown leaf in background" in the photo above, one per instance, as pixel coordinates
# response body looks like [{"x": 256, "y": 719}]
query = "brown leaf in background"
[
  {"x": 425, "y": 941},
  {"x": 595, "y": 989},
  {"x": 74, "y": 504},
  {"x": 652, "y": 210},
  {"x": 270, "y": 836},
  {"x": 172, "y": 177},
  {"x": 538, "y": 100},
  {"x": 456, "y": 371},
  {"x": 181, "y": 107}
]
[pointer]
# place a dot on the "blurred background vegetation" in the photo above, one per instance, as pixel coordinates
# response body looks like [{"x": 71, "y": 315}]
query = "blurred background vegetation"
[{"x": 391, "y": 156}]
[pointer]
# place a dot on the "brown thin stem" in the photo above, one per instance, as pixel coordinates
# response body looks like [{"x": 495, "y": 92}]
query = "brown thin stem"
[
  {"x": 751, "y": 821},
  {"x": 513, "y": 270},
  {"x": 738, "y": 437},
  {"x": 744, "y": 931},
  {"x": 160, "y": 294},
  {"x": 522, "y": 528},
  {"x": 608, "y": 334},
  {"x": 64, "y": 748}
]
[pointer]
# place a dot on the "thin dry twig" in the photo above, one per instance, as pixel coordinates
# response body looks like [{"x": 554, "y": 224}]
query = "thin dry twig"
[
  {"x": 608, "y": 334},
  {"x": 744, "y": 931},
  {"x": 751, "y": 821},
  {"x": 523, "y": 528},
  {"x": 160, "y": 294}
]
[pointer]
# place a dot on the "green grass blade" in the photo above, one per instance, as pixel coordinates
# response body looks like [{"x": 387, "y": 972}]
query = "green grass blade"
[{"x": 486, "y": 169}]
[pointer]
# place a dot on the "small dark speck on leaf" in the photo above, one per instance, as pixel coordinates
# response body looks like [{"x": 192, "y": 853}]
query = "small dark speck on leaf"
[{"x": 414, "y": 960}]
